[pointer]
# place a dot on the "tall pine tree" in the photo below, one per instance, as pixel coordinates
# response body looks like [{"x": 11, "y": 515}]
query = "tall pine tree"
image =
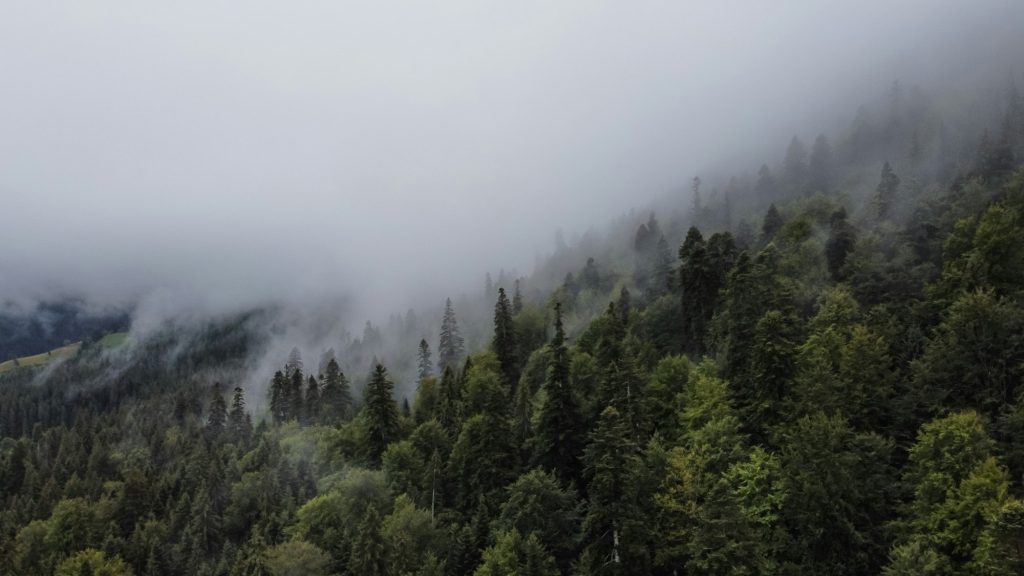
[
  {"x": 425, "y": 367},
  {"x": 504, "y": 342},
  {"x": 217, "y": 421},
  {"x": 451, "y": 345},
  {"x": 335, "y": 398},
  {"x": 382, "y": 426},
  {"x": 558, "y": 442}
]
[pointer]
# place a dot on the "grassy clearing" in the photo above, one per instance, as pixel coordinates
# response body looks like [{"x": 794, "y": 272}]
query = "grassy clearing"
[{"x": 108, "y": 342}]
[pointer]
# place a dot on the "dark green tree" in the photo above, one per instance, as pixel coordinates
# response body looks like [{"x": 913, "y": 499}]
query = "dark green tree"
[
  {"x": 279, "y": 398},
  {"x": 696, "y": 281},
  {"x": 772, "y": 223},
  {"x": 311, "y": 405},
  {"x": 841, "y": 240},
  {"x": 425, "y": 368},
  {"x": 613, "y": 529},
  {"x": 504, "y": 341},
  {"x": 216, "y": 422},
  {"x": 335, "y": 398},
  {"x": 369, "y": 555},
  {"x": 558, "y": 440},
  {"x": 538, "y": 504},
  {"x": 449, "y": 404},
  {"x": 239, "y": 422},
  {"x": 296, "y": 406},
  {"x": 382, "y": 426}
]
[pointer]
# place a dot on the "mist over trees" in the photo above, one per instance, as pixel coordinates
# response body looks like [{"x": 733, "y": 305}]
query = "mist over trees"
[{"x": 807, "y": 363}]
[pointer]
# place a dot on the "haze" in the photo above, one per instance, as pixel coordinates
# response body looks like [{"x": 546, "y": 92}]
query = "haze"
[{"x": 228, "y": 154}]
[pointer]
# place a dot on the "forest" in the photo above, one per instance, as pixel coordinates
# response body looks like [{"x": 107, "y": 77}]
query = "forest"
[{"x": 814, "y": 368}]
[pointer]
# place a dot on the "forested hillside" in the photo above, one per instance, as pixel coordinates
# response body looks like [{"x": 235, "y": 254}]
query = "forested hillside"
[{"x": 813, "y": 367}]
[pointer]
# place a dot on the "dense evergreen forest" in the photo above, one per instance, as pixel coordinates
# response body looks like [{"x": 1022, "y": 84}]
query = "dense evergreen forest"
[{"x": 812, "y": 369}]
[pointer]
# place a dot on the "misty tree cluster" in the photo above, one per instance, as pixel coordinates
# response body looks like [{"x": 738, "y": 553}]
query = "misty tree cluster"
[{"x": 813, "y": 370}]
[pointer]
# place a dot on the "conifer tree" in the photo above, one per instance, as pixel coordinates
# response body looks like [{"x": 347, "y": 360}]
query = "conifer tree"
[
  {"x": 772, "y": 369},
  {"x": 504, "y": 342},
  {"x": 841, "y": 241},
  {"x": 612, "y": 527},
  {"x": 451, "y": 345},
  {"x": 311, "y": 404},
  {"x": 425, "y": 367},
  {"x": 885, "y": 193},
  {"x": 697, "y": 203},
  {"x": 335, "y": 399},
  {"x": 558, "y": 442},
  {"x": 294, "y": 362},
  {"x": 369, "y": 555},
  {"x": 664, "y": 278},
  {"x": 695, "y": 282},
  {"x": 449, "y": 403},
  {"x": 382, "y": 426},
  {"x": 517, "y": 299},
  {"x": 279, "y": 398},
  {"x": 217, "y": 421},
  {"x": 296, "y": 408},
  {"x": 239, "y": 422},
  {"x": 772, "y": 223}
]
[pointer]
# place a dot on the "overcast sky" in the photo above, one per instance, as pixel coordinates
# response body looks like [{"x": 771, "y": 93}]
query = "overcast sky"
[{"x": 237, "y": 151}]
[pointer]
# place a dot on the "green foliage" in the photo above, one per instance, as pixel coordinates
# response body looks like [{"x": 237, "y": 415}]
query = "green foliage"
[
  {"x": 297, "y": 558},
  {"x": 537, "y": 504},
  {"x": 93, "y": 562},
  {"x": 845, "y": 398},
  {"x": 514, "y": 555},
  {"x": 558, "y": 441},
  {"x": 382, "y": 425}
]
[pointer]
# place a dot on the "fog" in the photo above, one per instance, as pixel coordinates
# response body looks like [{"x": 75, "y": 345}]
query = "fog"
[{"x": 217, "y": 155}]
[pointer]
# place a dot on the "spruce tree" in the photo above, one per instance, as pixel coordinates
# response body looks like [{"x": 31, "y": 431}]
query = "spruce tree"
[
  {"x": 558, "y": 442},
  {"x": 664, "y": 277},
  {"x": 425, "y": 367},
  {"x": 335, "y": 399},
  {"x": 613, "y": 524},
  {"x": 885, "y": 193},
  {"x": 382, "y": 426},
  {"x": 449, "y": 406},
  {"x": 841, "y": 240},
  {"x": 696, "y": 284},
  {"x": 517, "y": 299},
  {"x": 217, "y": 420},
  {"x": 278, "y": 398},
  {"x": 296, "y": 408},
  {"x": 772, "y": 223},
  {"x": 239, "y": 423},
  {"x": 369, "y": 555},
  {"x": 504, "y": 341},
  {"x": 451, "y": 345},
  {"x": 294, "y": 362},
  {"x": 311, "y": 403}
]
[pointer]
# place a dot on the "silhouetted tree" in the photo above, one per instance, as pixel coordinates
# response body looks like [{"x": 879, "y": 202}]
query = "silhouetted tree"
[
  {"x": 382, "y": 426},
  {"x": 424, "y": 364},
  {"x": 451, "y": 346}
]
